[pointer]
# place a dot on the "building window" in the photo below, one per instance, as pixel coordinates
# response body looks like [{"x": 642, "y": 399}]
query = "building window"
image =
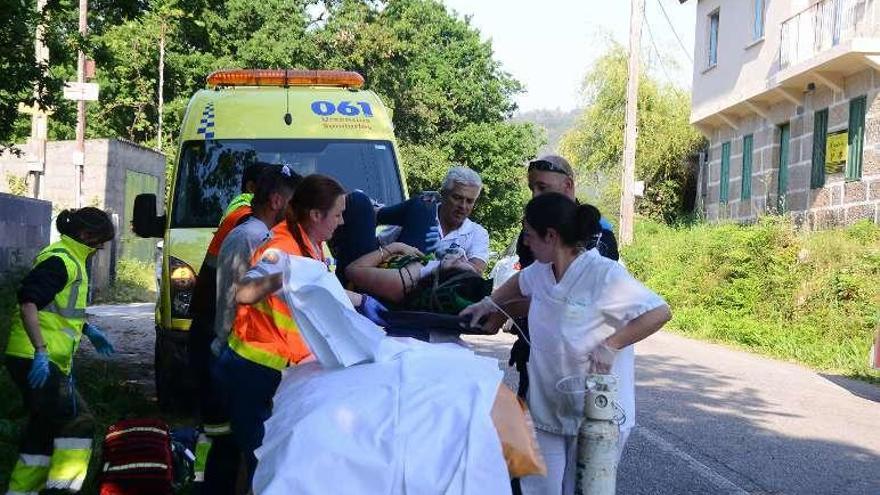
[
  {"x": 748, "y": 145},
  {"x": 725, "y": 173},
  {"x": 713, "y": 38},
  {"x": 758, "y": 24},
  {"x": 820, "y": 149},
  {"x": 782, "y": 183},
  {"x": 856, "y": 138}
]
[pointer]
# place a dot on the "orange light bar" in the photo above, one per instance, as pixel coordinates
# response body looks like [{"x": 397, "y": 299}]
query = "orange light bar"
[{"x": 282, "y": 77}]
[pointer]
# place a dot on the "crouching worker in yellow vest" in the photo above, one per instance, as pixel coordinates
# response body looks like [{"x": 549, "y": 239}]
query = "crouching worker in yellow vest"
[{"x": 57, "y": 442}]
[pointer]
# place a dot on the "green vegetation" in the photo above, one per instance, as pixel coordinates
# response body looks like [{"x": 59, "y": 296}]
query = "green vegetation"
[
  {"x": 666, "y": 145},
  {"x": 16, "y": 185},
  {"x": 806, "y": 297},
  {"x": 449, "y": 96},
  {"x": 135, "y": 282}
]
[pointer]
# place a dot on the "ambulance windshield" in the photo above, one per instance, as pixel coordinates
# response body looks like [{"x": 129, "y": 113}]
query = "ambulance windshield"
[{"x": 209, "y": 173}]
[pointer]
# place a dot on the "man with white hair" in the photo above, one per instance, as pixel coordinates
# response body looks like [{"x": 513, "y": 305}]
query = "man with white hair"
[
  {"x": 429, "y": 223},
  {"x": 458, "y": 195}
]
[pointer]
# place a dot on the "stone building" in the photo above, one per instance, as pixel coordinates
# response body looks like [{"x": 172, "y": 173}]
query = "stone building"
[
  {"x": 115, "y": 171},
  {"x": 786, "y": 91}
]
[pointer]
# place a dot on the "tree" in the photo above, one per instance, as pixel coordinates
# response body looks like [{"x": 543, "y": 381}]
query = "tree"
[
  {"x": 666, "y": 141},
  {"x": 25, "y": 81},
  {"x": 449, "y": 96}
]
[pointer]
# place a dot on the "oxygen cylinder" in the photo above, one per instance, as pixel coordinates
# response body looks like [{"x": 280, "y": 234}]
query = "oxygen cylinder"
[{"x": 598, "y": 438}]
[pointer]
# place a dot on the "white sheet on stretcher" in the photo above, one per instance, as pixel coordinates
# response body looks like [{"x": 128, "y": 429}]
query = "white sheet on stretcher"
[{"x": 412, "y": 418}]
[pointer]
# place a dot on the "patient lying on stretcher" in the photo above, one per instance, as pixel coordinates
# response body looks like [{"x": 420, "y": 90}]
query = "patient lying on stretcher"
[{"x": 399, "y": 275}]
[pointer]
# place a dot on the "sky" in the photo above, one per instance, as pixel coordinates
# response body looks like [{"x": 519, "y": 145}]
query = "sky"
[{"x": 549, "y": 45}]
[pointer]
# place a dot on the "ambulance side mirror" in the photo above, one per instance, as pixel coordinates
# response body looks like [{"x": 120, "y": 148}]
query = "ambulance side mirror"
[{"x": 145, "y": 222}]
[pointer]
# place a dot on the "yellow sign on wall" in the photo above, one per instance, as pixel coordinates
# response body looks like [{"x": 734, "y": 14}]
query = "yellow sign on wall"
[{"x": 835, "y": 152}]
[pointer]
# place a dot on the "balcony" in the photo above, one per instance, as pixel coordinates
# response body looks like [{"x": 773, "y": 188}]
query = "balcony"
[{"x": 825, "y": 25}]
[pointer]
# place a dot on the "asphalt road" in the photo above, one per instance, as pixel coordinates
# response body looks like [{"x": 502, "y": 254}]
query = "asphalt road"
[{"x": 711, "y": 420}]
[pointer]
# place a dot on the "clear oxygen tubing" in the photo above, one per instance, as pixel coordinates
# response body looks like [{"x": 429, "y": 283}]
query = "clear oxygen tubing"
[{"x": 578, "y": 384}]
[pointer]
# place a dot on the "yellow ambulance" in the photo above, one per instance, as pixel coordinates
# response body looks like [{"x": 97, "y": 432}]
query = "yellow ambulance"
[{"x": 314, "y": 121}]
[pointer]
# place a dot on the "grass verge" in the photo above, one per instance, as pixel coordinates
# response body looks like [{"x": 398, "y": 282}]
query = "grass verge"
[
  {"x": 135, "y": 282},
  {"x": 812, "y": 298}
]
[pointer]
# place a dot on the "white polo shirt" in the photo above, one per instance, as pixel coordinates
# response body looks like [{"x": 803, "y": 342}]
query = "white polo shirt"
[{"x": 471, "y": 237}]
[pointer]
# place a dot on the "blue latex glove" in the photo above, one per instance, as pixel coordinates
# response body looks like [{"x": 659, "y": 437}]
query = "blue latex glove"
[
  {"x": 432, "y": 239},
  {"x": 98, "y": 339},
  {"x": 373, "y": 310},
  {"x": 39, "y": 372}
]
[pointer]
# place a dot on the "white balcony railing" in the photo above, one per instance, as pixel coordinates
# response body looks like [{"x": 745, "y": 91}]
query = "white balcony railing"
[{"x": 824, "y": 25}]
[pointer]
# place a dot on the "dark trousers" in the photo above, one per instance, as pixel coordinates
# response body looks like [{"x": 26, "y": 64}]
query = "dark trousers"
[
  {"x": 224, "y": 457},
  {"x": 251, "y": 387},
  {"x": 54, "y": 410},
  {"x": 357, "y": 236},
  {"x": 55, "y": 446}
]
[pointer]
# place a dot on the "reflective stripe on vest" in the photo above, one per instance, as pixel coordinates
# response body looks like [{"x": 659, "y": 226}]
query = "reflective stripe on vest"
[
  {"x": 61, "y": 320},
  {"x": 266, "y": 332}
]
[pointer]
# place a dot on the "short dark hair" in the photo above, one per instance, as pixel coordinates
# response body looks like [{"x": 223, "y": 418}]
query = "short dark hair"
[
  {"x": 577, "y": 225},
  {"x": 251, "y": 173},
  {"x": 274, "y": 179}
]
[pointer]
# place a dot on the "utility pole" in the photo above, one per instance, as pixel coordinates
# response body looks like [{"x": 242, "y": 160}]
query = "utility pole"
[
  {"x": 627, "y": 198},
  {"x": 161, "y": 81},
  {"x": 80, "y": 154},
  {"x": 39, "y": 117}
]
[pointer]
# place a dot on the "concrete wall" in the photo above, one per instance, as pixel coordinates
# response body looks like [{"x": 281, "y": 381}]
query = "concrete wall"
[
  {"x": 24, "y": 231},
  {"x": 106, "y": 163},
  {"x": 838, "y": 202},
  {"x": 744, "y": 64}
]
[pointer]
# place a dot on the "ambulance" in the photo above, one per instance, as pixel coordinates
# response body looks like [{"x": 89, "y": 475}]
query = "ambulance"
[{"x": 312, "y": 120}]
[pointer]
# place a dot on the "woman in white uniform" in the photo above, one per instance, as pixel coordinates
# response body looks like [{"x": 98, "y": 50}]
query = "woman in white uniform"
[{"x": 585, "y": 312}]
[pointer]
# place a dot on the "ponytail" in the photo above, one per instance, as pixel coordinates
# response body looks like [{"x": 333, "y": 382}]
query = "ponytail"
[
  {"x": 87, "y": 225},
  {"x": 577, "y": 225}
]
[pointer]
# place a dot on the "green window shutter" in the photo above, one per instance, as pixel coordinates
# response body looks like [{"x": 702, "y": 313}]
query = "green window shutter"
[
  {"x": 820, "y": 140},
  {"x": 748, "y": 145},
  {"x": 782, "y": 186},
  {"x": 856, "y": 138},
  {"x": 725, "y": 172}
]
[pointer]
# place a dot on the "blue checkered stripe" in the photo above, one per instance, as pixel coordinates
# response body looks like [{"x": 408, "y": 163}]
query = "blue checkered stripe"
[{"x": 206, "y": 125}]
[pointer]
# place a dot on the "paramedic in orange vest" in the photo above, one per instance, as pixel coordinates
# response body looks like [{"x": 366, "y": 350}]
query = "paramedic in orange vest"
[
  {"x": 201, "y": 333},
  {"x": 203, "y": 307},
  {"x": 204, "y": 299},
  {"x": 264, "y": 338}
]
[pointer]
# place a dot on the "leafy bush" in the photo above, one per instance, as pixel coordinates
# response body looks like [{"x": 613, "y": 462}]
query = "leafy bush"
[
  {"x": 11, "y": 411},
  {"x": 135, "y": 282},
  {"x": 805, "y": 297}
]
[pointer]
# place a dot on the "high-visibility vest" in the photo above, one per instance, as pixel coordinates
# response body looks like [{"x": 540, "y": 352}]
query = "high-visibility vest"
[
  {"x": 231, "y": 219},
  {"x": 61, "y": 321},
  {"x": 243, "y": 199},
  {"x": 265, "y": 332}
]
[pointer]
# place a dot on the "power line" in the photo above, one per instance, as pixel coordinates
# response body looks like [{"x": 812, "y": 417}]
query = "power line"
[
  {"x": 669, "y": 21},
  {"x": 656, "y": 51}
]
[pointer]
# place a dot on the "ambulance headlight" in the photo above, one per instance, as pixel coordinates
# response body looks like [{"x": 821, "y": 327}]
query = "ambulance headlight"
[{"x": 182, "y": 281}]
